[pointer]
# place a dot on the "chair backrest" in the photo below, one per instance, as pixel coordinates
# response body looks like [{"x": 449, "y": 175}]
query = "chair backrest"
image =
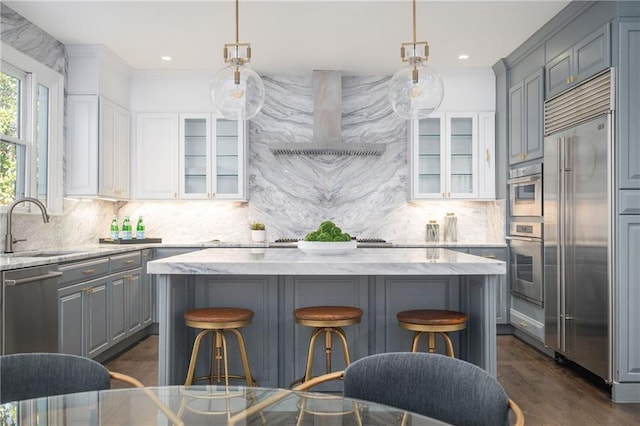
[
  {"x": 448, "y": 389},
  {"x": 35, "y": 375}
]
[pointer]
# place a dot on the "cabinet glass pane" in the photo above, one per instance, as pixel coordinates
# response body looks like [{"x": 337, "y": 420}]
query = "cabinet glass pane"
[
  {"x": 462, "y": 184},
  {"x": 227, "y": 128},
  {"x": 429, "y": 184},
  {"x": 195, "y": 166},
  {"x": 195, "y": 145},
  {"x": 195, "y": 127},
  {"x": 195, "y": 156},
  {"x": 429, "y": 165},
  {"x": 195, "y": 184},
  {"x": 462, "y": 155},
  {"x": 227, "y": 145},
  {"x": 227, "y": 166},
  {"x": 227, "y": 184},
  {"x": 227, "y": 159}
]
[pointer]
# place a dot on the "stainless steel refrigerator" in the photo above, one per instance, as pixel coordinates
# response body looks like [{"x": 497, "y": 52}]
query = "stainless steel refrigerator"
[{"x": 577, "y": 198}]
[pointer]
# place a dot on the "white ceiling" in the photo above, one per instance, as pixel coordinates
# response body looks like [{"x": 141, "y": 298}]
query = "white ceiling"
[{"x": 293, "y": 37}]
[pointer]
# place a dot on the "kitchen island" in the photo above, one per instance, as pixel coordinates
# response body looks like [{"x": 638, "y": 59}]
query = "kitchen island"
[{"x": 273, "y": 282}]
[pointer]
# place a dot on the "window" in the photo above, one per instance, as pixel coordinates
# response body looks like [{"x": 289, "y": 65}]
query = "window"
[{"x": 30, "y": 131}]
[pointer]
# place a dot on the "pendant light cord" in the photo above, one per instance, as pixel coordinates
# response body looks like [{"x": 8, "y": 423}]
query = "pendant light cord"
[
  {"x": 238, "y": 25},
  {"x": 414, "y": 24}
]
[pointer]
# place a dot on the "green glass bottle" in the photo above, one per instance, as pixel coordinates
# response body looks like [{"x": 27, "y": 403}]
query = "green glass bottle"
[
  {"x": 114, "y": 230},
  {"x": 126, "y": 228},
  {"x": 140, "y": 229}
]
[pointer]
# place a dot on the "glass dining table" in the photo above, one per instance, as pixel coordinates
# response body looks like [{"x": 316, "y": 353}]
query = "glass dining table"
[{"x": 204, "y": 405}]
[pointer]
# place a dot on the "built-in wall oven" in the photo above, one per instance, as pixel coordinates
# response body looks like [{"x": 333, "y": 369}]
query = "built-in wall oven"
[
  {"x": 525, "y": 191},
  {"x": 526, "y": 261}
]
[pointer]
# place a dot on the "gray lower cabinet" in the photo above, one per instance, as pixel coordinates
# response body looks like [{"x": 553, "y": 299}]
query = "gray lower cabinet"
[
  {"x": 627, "y": 321},
  {"x": 502, "y": 292},
  {"x": 83, "y": 311},
  {"x": 148, "y": 291},
  {"x": 502, "y": 299},
  {"x": 100, "y": 303}
]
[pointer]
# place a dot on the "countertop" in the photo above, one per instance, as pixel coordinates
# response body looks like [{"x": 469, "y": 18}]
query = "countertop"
[
  {"x": 361, "y": 261},
  {"x": 23, "y": 259}
]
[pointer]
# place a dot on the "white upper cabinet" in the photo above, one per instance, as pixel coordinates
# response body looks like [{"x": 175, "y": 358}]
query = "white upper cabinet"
[
  {"x": 156, "y": 172},
  {"x": 190, "y": 156},
  {"x": 452, "y": 156},
  {"x": 98, "y": 124},
  {"x": 212, "y": 158},
  {"x": 98, "y": 148}
]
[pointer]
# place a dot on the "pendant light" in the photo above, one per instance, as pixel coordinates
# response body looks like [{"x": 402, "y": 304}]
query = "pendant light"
[
  {"x": 237, "y": 91},
  {"x": 416, "y": 90}
]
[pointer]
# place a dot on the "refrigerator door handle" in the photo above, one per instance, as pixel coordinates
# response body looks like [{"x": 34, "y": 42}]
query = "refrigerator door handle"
[{"x": 561, "y": 243}]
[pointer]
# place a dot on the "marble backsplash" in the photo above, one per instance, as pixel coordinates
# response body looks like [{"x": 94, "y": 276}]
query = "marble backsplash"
[{"x": 183, "y": 222}]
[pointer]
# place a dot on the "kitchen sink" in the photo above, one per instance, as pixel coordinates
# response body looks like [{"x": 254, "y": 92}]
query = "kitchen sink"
[{"x": 45, "y": 253}]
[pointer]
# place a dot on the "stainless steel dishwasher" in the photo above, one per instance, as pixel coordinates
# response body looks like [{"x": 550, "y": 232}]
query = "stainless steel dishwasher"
[{"x": 29, "y": 300}]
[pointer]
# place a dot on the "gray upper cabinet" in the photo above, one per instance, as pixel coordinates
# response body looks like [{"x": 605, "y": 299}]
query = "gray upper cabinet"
[
  {"x": 526, "y": 103},
  {"x": 582, "y": 60},
  {"x": 628, "y": 112}
]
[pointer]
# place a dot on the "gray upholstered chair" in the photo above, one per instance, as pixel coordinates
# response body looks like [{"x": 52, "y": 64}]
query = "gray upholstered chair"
[
  {"x": 444, "y": 388},
  {"x": 35, "y": 375}
]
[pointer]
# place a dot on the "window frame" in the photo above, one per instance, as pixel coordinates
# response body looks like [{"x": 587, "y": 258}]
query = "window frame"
[{"x": 39, "y": 74}]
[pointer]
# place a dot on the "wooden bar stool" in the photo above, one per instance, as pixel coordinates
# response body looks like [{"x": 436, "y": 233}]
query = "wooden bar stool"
[
  {"x": 328, "y": 320},
  {"x": 432, "y": 321},
  {"x": 218, "y": 321}
]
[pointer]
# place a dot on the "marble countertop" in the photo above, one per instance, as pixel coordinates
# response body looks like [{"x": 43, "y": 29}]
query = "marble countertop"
[
  {"x": 361, "y": 261},
  {"x": 23, "y": 259}
]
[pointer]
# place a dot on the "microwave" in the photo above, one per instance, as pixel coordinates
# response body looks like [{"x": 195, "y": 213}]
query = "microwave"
[{"x": 525, "y": 191}]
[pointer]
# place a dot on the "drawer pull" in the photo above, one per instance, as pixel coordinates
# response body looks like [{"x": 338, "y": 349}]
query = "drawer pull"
[
  {"x": 128, "y": 261},
  {"x": 523, "y": 324},
  {"x": 489, "y": 256},
  {"x": 88, "y": 271}
]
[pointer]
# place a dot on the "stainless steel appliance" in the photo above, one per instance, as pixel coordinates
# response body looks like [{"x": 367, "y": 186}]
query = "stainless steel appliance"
[
  {"x": 577, "y": 224},
  {"x": 29, "y": 300},
  {"x": 525, "y": 263},
  {"x": 525, "y": 191}
]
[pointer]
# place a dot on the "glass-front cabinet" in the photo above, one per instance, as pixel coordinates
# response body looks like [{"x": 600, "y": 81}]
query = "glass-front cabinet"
[
  {"x": 212, "y": 157},
  {"x": 446, "y": 161}
]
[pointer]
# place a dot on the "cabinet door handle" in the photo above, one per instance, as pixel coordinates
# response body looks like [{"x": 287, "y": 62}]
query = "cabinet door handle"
[
  {"x": 448, "y": 195},
  {"x": 487, "y": 156},
  {"x": 568, "y": 80},
  {"x": 88, "y": 271},
  {"x": 88, "y": 290},
  {"x": 523, "y": 324}
]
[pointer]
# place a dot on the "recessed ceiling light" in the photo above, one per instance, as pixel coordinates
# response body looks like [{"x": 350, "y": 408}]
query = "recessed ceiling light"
[
  {"x": 463, "y": 56},
  {"x": 166, "y": 58}
]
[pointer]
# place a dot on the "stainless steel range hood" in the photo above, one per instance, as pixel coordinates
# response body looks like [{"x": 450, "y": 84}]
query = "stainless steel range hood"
[{"x": 327, "y": 123}]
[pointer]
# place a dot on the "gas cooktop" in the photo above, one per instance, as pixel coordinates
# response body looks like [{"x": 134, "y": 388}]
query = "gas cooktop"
[{"x": 362, "y": 242}]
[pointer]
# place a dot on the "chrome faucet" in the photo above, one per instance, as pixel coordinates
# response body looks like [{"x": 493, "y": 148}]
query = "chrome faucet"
[{"x": 8, "y": 239}]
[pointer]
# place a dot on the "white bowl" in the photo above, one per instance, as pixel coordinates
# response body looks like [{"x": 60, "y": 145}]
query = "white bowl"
[{"x": 327, "y": 247}]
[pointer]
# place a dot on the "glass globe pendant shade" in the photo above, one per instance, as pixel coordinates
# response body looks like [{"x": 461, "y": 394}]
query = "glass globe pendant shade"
[
  {"x": 411, "y": 100},
  {"x": 237, "y": 100}
]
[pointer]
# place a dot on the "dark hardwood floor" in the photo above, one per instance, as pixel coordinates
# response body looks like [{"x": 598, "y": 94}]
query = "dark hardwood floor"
[{"x": 547, "y": 392}]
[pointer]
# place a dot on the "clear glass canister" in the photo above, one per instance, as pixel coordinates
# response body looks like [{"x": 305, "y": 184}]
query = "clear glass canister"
[
  {"x": 433, "y": 231},
  {"x": 450, "y": 227}
]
